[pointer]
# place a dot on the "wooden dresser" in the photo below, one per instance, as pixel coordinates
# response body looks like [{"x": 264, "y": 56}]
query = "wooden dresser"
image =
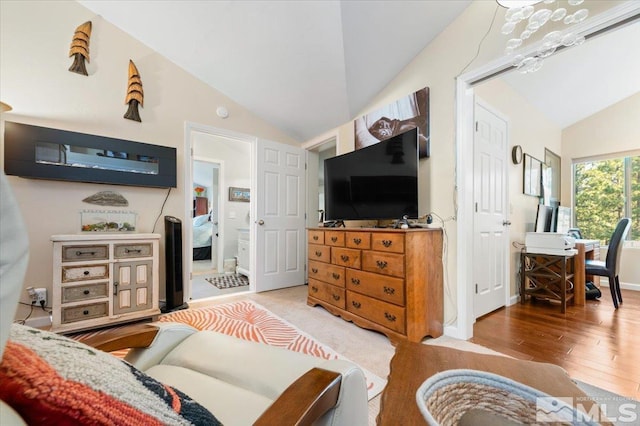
[
  {"x": 103, "y": 279},
  {"x": 388, "y": 280}
]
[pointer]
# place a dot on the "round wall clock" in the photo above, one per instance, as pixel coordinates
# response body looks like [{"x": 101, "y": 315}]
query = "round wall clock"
[{"x": 516, "y": 154}]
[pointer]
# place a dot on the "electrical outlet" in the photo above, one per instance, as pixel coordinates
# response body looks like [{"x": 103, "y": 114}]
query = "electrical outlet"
[{"x": 40, "y": 296}]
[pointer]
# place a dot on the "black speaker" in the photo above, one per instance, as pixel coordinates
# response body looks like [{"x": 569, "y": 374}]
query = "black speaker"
[{"x": 174, "y": 291}]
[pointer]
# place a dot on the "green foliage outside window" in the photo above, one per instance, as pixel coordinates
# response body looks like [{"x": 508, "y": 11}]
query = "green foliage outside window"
[{"x": 604, "y": 192}]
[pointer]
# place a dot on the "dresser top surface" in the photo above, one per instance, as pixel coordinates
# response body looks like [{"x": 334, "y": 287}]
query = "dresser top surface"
[{"x": 101, "y": 236}]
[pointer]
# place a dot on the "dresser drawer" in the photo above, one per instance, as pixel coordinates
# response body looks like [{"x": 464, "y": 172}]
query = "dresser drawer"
[
  {"x": 346, "y": 257},
  {"x": 80, "y": 253},
  {"x": 360, "y": 240},
  {"x": 388, "y": 289},
  {"x": 327, "y": 292},
  {"x": 385, "y": 314},
  {"x": 331, "y": 274},
  {"x": 320, "y": 253},
  {"x": 383, "y": 263},
  {"x": 84, "y": 292},
  {"x": 387, "y": 242},
  {"x": 85, "y": 312},
  {"x": 85, "y": 272},
  {"x": 315, "y": 237},
  {"x": 334, "y": 238},
  {"x": 125, "y": 251}
]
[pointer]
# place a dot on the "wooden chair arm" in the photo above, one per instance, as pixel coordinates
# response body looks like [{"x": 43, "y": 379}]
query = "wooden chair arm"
[
  {"x": 129, "y": 336},
  {"x": 305, "y": 400}
]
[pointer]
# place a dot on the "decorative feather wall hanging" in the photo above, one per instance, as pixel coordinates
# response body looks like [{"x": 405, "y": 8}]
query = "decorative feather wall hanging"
[
  {"x": 135, "y": 95},
  {"x": 80, "y": 48}
]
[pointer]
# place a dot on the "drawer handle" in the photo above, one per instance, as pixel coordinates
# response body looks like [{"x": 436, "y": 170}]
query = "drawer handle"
[
  {"x": 381, "y": 264},
  {"x": 344, "y": 258},
  {"x": 115, "y": 288},
  {"x": 390, "y": 317},
  {"x": 314, "y": 289},
  {"x": 318, "y": 253},
  {"x": 315, "y": 238},
  {"x": 132, "y": 250},
  {"x": 86, "y": 292},
  {"x": 85, "y": 253},
  {"x": 334, "y": 239},
  {"x": 336, "y": 297},
  {"x": 357, "y": 241},
  {"x": 355, "y": 281},
  {"x": 355, "y": 304},
  {"x": 314, "y": 270},
  {"x": 389, "y": 290},
  {"x": 85, "y": 312},
  {"x": 387, "y": 243},
  {"x": 86, "y": 273},
  {"x": 335, "y": 276}
]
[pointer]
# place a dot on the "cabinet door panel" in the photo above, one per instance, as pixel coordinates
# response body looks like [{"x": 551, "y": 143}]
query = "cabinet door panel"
[{"x": 132, "y": 286}]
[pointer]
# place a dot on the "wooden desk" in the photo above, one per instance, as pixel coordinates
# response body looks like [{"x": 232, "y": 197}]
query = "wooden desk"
[
  {"x": 413, "y": 363},
  {"x": 587, "y": 249},
  {"x": 552, "y": 277}
]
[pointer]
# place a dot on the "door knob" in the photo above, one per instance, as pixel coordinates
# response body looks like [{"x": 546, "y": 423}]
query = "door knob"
[
  {"x": 506, "y": 222},
  {"x": 261, "y": 222}
]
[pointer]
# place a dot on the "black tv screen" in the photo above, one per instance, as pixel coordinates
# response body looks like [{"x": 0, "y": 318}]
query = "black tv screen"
[{"x": 376, "y": 182}]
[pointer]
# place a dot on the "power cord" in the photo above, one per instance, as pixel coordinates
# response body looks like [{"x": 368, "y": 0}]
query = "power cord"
[{"x": 161, "y": 210}]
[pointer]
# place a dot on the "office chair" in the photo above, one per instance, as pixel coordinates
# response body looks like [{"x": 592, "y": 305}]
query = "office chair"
[{"x": 610, "y": 267}]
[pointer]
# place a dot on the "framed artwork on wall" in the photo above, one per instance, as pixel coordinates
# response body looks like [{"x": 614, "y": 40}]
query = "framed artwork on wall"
[
  {"x": 552, "y": 160},
  {"x": 532, "y": 179},
  {"x": 239, "y": 194}
]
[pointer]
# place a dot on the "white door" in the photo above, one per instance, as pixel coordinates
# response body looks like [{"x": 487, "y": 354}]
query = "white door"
[
  {"x": 490, "y": 233},
  {"x": 280, "y": 216}
]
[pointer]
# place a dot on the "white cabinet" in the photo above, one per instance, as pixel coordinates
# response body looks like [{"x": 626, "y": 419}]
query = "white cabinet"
[
  {"x": 103, "y": 279},
  {"x": 243, "y": 252}
]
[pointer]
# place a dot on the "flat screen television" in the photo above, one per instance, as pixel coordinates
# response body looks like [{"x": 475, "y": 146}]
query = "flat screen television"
[{"x": 376, "y": 182}]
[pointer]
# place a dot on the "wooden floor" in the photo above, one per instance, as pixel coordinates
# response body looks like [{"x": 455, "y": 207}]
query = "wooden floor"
[{"x": 595, "y": 343}]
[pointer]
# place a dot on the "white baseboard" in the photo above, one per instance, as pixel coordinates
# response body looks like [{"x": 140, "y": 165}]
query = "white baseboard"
[
  {"x": 38, "y": 322},
  {"x": 625, "y": 286},
  {"x": 513, "y": 300}
]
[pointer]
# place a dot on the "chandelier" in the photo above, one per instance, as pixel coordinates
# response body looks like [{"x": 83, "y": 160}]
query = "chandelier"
[{"x": 525, "y": 18}]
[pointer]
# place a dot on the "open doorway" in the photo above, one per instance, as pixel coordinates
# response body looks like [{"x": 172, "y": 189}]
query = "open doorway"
[
  {"x": 219, "y": 161},
  {"x": 205, "y": 218}
]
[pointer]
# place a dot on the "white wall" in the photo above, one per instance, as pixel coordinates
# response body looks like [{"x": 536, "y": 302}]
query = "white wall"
[{"x": 35, "y": 37}]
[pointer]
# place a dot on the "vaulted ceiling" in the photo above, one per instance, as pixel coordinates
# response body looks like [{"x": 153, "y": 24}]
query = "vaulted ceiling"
[{"x": 307, "y": 67}]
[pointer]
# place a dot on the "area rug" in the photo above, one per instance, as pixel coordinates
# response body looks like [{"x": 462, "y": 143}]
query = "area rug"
[
  {"x": 251, "y": 321},
  {"x": 228, "y": 281}
]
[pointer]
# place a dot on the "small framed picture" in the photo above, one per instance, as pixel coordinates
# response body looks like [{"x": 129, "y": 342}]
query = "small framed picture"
[{"x": 238, "y": 194}]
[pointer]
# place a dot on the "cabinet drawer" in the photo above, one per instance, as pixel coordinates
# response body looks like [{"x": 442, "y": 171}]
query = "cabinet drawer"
[
  {"x": 316, "y": 237},
  {"x": 361, "y": 240},
  {"x": 346, "y": 257},
  {"x": 334, "y": 238},
  {"x": 320, "y": 253},
  {"x": 385, "y": 314},
  {"x": 392, "y": 243},
  {"x": 383, "y": 263},
  {"x": 124, "y": 251},
  {"x": 327, "y": 292},
  {"x": 388, "y": 289},
  {"x": 76, "y": 253},
  {"x": 85, "y": 272},
  {"x": 84, "y": 292},
  {"x": 85, "y": 312},
  {"x": 331, "y": 274}
]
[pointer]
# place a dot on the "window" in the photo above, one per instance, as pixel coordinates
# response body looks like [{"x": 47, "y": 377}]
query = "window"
[{"x": 606, "y": 190}]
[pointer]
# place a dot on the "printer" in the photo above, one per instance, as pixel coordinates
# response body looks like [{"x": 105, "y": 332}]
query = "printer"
[{"x": 550, "y": 243}]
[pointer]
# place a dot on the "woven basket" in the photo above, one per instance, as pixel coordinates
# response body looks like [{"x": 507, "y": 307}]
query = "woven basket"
[{"x": 445, "y": 397}]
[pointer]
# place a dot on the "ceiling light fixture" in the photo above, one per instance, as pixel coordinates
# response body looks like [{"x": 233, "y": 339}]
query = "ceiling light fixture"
[
  {"x": 5, "y": 107},
  {"x": 534, "y": 19}
]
